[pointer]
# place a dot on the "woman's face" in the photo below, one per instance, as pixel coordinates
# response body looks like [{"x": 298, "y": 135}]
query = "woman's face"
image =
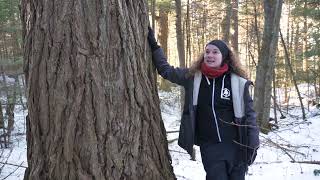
[{"x": 212, "y": 56}]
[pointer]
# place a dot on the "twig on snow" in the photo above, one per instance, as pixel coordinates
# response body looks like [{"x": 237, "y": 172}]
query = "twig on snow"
[{"x": 13, "y": 171}]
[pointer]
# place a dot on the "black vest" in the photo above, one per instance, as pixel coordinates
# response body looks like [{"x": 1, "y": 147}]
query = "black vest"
[{"x": 213, "y": 124}]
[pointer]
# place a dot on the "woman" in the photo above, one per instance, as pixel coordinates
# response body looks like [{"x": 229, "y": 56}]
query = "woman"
[{"x": 218, "y": 112}]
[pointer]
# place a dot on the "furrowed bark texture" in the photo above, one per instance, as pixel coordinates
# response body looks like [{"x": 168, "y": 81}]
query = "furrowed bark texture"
[{"x": 92, "y": 98}]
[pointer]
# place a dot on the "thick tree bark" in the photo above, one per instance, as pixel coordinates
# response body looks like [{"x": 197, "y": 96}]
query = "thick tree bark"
[
  {"x": 262, "y": 93},
  {"x": 92, "y": 99}
]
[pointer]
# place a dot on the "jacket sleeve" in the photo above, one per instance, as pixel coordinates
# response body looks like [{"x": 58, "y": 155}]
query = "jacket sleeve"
[
  {"x": 251, "y": 121},
  {"x": 174, "y": 75}
]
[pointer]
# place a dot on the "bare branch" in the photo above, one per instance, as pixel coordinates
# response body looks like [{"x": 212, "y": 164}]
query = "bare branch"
[
  {"x": 171, "y": 150},
  {"x": 285, "y": 150},
  {"x": 172, "y": 140},
  {"x": 307, "y": 162},
  {"x": 5, "y": 163},
  {"x": 174, "y": 131}
]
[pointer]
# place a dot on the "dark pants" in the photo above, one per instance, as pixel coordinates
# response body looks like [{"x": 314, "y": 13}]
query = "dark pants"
[{"x": 219, "y": 162}]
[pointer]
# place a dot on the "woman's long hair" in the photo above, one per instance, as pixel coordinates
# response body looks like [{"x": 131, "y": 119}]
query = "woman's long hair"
[{"x": 232, "y": 60}]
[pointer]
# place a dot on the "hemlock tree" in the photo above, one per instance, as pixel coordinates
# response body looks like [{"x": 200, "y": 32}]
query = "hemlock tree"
[{"x": 92, "y": 99}]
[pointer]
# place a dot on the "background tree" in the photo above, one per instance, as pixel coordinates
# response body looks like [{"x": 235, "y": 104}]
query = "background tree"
[
  {"x": 227, "y": 21},
  {"x": 180, "y": 36},
  {"x": 10, "y": 65},
  {"x": 262, "y": 93},
  {"x": 235, "y": 24},
  {"x": 163, "y": 21},
  {"x": 92, "y": 99}
]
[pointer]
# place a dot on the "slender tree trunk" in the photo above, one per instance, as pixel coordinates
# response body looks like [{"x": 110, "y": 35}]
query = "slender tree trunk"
[
  {"x": 180, "y": 40},
  {"x": 21, "y": 90},
  {"x": 153, "y": 14},
  {"x": 188, "y": 33},
  {"x": 181, "y": 52},
  {"x": 289, "y": 40},
  {"x": 227, "y": 22},
  {"x": 293, "y": 76},
  {"x": 1, "y": 116},
  {"x": 296, "y": 49},
  {"x": 256, "y": 26},
  {"x": 3, "y": 136},
  {"x": 316, "y": 89},
  {"x": 204, "y": 24},
  {"x": 92, "y": 98},
  {"x": 163, "y": 28},
  {"x": 200, "y": 47},
  {"x": 247, "y": 40},
  {"x": 275, "y": 98},
  {"x": 5, "y": 116},
  {"x": 305, "y": 64},
  {"x": 235, "y": 25},
  {"x": 163, "y": 38},
  {"x": 11, "y": 101},
  {"x": 262, "y": 93}
]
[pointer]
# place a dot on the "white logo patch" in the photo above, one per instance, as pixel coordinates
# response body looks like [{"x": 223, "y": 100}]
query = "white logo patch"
[{"x": 225, "y": 94}]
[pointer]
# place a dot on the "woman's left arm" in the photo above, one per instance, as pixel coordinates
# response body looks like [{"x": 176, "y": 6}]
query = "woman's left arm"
[{"x": 251, "y": 122}]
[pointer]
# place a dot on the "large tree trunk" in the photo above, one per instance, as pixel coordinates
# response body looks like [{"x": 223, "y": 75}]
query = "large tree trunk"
[
  {"x": 92, "y": 99},
  {"x": 262, "y": 93}
]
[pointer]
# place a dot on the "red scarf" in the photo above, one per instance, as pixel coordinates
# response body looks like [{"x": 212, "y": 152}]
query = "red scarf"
[{"x": 213, "y": 73}]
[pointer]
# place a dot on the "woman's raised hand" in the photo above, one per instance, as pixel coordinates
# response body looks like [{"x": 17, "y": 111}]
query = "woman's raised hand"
[{"x": 152, "y": 40}]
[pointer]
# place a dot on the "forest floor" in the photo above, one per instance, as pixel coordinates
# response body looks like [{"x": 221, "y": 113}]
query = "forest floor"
[{"x": 295, "y": 139}]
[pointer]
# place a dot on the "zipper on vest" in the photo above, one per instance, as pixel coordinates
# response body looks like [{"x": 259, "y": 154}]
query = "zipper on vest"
[
  {"x": 208, "y": 80},
  {"x": 214, "y": 113}
]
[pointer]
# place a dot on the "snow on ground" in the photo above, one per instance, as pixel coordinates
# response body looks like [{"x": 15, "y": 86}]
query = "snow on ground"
[
  {"x": 301, "y": 139},
  {"x": 17, "y": 152}
]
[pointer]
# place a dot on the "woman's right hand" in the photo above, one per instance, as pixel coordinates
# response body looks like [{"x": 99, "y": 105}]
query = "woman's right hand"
[
  {"x": 152, "y": 40},
  {"x": 251, "y": 155}
]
